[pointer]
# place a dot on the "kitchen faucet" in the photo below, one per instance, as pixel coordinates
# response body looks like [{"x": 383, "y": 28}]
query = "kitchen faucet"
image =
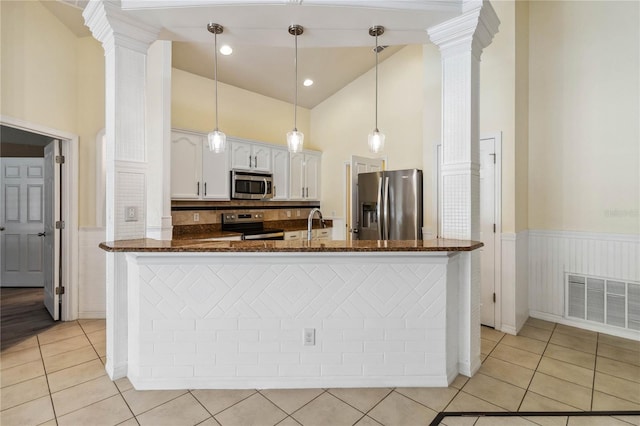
[{"x": 310, "y": 221}]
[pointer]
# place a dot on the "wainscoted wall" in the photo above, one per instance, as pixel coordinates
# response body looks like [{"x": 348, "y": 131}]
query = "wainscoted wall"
[
  {"x": 513, "y": 295},
  {"x": 92, "y": 274},
  {"x": 552, "y": 254}
]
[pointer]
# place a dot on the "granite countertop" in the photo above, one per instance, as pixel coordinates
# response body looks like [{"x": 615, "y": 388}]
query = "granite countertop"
[
  {"x": 209, "y": 231},
  {"x": 303, "y": 246}
]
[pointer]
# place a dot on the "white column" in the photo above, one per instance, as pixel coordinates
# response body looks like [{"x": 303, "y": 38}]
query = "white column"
[
  {"x": 125, "y": 43},
  {"x": 159, "y": 140},
  {"x": 461, "y": 41}
]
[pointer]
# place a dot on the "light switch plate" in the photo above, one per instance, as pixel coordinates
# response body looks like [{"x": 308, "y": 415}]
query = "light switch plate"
[{"x": 131, "y": 214}]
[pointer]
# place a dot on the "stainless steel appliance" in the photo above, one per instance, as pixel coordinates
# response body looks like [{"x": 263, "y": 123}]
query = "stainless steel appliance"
[
  {"x": 251, "y": 185},
  {"x": 251, "y": 225},
  {"x": 390, "y": 205}
]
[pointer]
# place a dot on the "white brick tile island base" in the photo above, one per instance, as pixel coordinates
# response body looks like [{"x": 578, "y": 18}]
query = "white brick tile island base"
[{"x": 236, "y": 320}]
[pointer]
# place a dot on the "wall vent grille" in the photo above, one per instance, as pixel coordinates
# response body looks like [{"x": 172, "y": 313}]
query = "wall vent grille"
[{"x": 603, "y": 301}]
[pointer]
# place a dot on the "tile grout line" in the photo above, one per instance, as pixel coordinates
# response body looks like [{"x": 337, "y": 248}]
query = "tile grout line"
[
  {"x": 595, "y": 366},
  {"x": 95, "y": 402},
  {"x": 536, "y": 369},
  {"x": 46, "y": 377}
]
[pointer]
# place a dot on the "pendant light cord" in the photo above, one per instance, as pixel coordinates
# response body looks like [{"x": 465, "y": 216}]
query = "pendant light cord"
[
  {"x": 215, "y": 72},
  {"x": 376, "y": 81},
  {"x": 295, "y": 102}
]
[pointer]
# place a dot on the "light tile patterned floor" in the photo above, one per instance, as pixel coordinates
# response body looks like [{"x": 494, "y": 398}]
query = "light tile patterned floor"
[{"x": 58, "y": 377}]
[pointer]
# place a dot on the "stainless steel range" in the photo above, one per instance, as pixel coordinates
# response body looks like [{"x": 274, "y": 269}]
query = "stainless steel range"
[{"x": 251, "y": 225}]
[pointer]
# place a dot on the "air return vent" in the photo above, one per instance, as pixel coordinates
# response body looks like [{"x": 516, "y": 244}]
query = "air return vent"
[{"x": 604, "y": 301}]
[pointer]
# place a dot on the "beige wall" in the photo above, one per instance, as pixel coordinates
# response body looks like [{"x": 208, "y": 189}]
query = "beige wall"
[
  {"x": 341, "y": 123},
  {"x": 54, "y": 79},
  {"x": 38, "y": 66},
  {"x": 497, "y": 102},
  {"x": 584, "y": 150},
  {"x": 90, "y": 101},
  {"x": 521, "y": 148},
  {"x": 242, "y": 113}
]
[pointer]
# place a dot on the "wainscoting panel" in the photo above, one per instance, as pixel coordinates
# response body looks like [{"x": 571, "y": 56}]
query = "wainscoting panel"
[
  {"x": 552, "y": 254},
  {"x": 91, "y": 288}
]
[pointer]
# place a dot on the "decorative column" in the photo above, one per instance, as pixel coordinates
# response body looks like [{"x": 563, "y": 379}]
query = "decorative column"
[
  {"x": 125, "y": 42},
  {"x": 461, "y": 41},
  {"x": 158, "y": 127}
]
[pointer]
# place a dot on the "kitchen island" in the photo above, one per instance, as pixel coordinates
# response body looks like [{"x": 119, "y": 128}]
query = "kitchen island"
[{"x": 290, "y": 314}]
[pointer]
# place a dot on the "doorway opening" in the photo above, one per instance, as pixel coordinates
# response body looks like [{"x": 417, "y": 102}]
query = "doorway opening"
[{"x": 51, "y": 204}]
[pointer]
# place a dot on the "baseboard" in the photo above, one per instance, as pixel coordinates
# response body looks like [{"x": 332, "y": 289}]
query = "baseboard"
[
  {"x": 92, "y": 315},
  {"x": 613, "y": 331}
]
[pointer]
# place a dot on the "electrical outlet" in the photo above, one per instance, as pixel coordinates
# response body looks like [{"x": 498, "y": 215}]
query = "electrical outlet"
[
  {"x": 309, "y": 337},
  {"x": 298, "y": 213},
  {"x": 131, "y": 214},
  {"x": 196, "y": 217},
  {"x": 288, "y": 213}
]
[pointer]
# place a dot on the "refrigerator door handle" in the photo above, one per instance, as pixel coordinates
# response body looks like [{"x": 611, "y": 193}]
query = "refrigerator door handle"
[
  {"x": 378, "y": 209},
  {"x": 386, "y": 208}
]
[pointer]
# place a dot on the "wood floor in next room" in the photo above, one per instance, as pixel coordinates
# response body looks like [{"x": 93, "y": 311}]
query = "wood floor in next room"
[{"x": 57, "y": 377}]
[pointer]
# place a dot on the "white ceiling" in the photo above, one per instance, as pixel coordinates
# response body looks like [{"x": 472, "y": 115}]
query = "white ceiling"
[{"x": 335, "y": 48}]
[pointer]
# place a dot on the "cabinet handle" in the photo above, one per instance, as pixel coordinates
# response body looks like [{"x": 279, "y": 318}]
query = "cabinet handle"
[
  {"x": 249, "y": 161},
  {"x": 255, "y": 161},
  {"x": 205, "y": 189},
  {"x": 307, "y": 192},
  {"x": 274, "y": 191},
  {"x": 198, "y": 189}
]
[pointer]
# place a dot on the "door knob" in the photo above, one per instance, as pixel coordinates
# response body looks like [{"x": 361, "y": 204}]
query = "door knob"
[
  {"x": 41, "y": 234},
  {"x": 1, "y": 228}
]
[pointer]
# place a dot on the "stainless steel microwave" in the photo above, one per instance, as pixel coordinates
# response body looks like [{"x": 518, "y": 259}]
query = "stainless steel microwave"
[{"x": 251, "y": 185}]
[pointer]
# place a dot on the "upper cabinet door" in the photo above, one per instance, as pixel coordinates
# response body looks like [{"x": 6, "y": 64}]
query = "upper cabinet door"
[
  {"x": 312, "y": 177},
  {"x": 186, "y": 165},
  {"x": 280, "y": 165},
  {"x": 261, "y": 158},
  {"x": 215, "y": 175},
  {"x": 241, "y": 155},
  {"x": 296, "y": 174}
]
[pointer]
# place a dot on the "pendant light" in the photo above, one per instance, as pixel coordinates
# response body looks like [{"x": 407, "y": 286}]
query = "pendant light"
[
  {"x": 295, "y": 139},
  {"x": 217, "y": 139},
  {"x": 376, "y": 138}
]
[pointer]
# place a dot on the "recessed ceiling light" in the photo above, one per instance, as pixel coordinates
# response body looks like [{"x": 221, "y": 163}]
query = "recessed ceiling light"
[
  {"x": 307, "y": 82},
  {"x": 226, "y": 50}
]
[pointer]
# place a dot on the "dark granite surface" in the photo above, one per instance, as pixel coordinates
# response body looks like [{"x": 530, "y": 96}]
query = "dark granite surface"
[
  {"x": 199, "y": 232},
  {"x": 303, "y": 246}
]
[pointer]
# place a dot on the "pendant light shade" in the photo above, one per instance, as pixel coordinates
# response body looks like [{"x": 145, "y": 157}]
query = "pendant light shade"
[
  {"x": 376, "y": 138},
  {"x": 217, "y": 139},
  {"x": 295, "y": 138}
]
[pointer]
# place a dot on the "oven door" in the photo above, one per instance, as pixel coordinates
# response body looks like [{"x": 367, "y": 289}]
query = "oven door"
[{"x": 251, "y": 186}]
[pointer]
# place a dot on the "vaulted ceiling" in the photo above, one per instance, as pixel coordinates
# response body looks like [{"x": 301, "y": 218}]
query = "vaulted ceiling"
[{"x": 334, "y": 49}]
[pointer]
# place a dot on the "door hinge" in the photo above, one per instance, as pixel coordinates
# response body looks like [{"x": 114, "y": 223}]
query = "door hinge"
[
  {"x": 60, "y": 224},
  {"x": 59, "y": 159},
  {"x": 60, "y": 290},
  {"x": 494, "y": 228},
  {"x": 494, "y": 298}
]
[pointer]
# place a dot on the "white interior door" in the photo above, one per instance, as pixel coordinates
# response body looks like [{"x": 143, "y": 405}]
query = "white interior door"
[
  {"x": 359, "y": 165},
  {"x": 51, "y": 234},
  {"x": 487, "y": 231},
  {"x": 22, "y": 222}
]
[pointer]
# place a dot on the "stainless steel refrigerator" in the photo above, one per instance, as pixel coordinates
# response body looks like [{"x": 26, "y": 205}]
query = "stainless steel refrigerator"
[{"x": 390, "y": 205}]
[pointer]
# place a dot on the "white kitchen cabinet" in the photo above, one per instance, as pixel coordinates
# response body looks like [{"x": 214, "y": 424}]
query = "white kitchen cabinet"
[
  {"x": 280, "y": 170},
  {"x": 304, "y": 169},
  {"x": 196, "y": 172},
  {"x": 323, "y": 234},
  {"x": 294, "y": 235},
  {"x": 250, "y": 156}
]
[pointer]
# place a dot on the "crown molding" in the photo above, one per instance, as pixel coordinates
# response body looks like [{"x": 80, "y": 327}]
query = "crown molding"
[
  {"x": 112, "y": 27},
  {"x": 471, "y": 31}
]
